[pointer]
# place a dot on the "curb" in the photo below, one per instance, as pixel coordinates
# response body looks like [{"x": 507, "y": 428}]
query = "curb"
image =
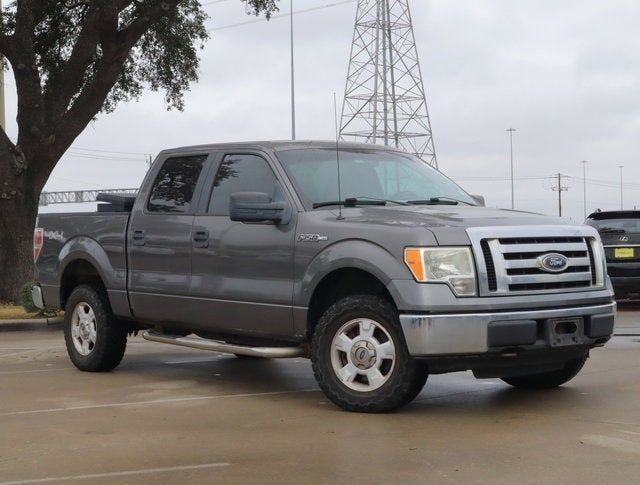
[{"x": 30, "y": 323}]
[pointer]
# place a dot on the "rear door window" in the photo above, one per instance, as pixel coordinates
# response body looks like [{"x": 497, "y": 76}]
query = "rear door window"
[{"x": 175, "y": 184}]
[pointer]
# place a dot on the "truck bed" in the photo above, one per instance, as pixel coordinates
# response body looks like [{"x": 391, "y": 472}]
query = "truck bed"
[{"x": 99, "y": 237}]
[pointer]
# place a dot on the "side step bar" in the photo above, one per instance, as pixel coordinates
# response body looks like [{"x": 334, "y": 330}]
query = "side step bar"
[{"x": 217, "y": 346}]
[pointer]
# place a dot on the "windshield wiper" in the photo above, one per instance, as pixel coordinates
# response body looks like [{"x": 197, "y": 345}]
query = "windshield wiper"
[
  {"x": 356, "y": 201},
  {"x": 352, "y": 202},
  {"x": 438, "y": 201}
]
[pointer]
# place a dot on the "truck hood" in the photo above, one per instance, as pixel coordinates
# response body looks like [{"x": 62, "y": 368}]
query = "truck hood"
[{"x": 448, "y": 223}]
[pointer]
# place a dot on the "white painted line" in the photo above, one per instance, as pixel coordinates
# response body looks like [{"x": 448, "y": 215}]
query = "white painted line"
[
  {"x": 11, "y": 372},
  {"x": 146, "y": 471},
  {"x": 26, "y": 351},
  {"x": 156, "y": 401}
]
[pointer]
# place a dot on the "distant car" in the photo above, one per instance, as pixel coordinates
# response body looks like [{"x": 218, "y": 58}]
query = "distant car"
[{"x": 620, "y": 232}]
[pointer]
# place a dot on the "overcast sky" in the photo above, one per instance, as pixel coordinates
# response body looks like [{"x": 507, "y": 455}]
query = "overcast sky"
[{"x": 565, "y": 74}]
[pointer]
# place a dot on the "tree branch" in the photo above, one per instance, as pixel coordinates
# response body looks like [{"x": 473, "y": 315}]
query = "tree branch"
[
  {"x": 116, "y": 48},
  {"x": 21, "y": 55},
  {"x": 101, "y": 21}
]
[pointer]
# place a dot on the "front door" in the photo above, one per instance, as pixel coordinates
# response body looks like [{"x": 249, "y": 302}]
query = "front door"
[
  {"x": 242, "y": 277},
  {"x": 159, "y": 242}
]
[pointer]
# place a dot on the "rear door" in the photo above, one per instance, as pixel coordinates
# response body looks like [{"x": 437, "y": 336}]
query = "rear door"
[
  {"x": 159, "y": 240},
  {"x": 243, "y": 272}
]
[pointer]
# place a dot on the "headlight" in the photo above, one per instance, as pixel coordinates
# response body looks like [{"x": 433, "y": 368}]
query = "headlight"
[{"x": 450, "y": 265}]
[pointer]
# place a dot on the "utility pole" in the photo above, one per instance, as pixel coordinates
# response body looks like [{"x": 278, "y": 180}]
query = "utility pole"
[
  {"x": 560, "y": 188},
  {"x": 621, "y": 194},
  {"x": 2, "y": 113},
  {"x": 293, "y": 84},
  {"x": 513, "y": 197},
  {"x": 584, "y": 185}
]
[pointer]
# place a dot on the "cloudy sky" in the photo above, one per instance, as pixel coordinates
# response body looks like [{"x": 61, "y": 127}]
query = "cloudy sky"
[{"x": 565, "y": 74}]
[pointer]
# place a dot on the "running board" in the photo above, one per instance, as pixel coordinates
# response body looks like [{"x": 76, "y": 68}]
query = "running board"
[{"x": 217, "y": 346}]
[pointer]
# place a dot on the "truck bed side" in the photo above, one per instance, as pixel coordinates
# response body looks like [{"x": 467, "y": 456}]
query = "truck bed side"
[{"x": 81, "y": 247}]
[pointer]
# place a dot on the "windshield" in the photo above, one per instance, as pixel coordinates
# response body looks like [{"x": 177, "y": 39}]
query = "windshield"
[
  {"x": 629, "y": 226},
  {"x": 366, "y": 174}
]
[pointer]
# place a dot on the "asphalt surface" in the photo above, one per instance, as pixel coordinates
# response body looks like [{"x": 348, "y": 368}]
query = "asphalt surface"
[{"x": 171, "y": 414}]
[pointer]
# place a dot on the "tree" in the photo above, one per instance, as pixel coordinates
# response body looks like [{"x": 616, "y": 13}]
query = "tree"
[{"x": 71, "y": 60}]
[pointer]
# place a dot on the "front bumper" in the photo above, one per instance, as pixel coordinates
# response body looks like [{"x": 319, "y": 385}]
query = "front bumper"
[{"x": 478, "y": 333}]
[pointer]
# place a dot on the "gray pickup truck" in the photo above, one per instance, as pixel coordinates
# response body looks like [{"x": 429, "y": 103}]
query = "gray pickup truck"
[{"x": 382, "y": 275}]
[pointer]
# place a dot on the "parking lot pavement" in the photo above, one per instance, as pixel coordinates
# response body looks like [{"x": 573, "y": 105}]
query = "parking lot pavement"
[
  {"x": 628, "y": 321},
  {"x": 175, "y": 414}
]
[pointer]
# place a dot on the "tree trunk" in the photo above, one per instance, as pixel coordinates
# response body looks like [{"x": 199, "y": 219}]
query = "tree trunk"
[
  {"x": 16, "y": 248},
  {"x": 19, "y": 193}
]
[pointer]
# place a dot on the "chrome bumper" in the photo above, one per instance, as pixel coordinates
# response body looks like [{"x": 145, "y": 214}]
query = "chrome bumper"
[
  {"x": 36, "y": 296},
  {"x": 467, "y": 333}
]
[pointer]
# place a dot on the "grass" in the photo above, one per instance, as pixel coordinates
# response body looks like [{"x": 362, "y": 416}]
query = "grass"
[{"x": 14, "y": 312}]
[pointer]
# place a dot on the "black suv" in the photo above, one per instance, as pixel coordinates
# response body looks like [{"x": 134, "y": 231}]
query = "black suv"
[{"x": 620, "y": 232}]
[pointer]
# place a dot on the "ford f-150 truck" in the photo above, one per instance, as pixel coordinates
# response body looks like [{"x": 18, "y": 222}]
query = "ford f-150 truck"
[{"x": 365, "y": 259}]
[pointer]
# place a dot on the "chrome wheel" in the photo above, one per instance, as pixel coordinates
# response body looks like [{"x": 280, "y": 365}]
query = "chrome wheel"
[
  {"x": 363, "y": 355},
  {"x": 84, "y": 330}
]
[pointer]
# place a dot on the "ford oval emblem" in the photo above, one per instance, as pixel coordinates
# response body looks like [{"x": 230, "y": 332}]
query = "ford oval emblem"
[{"x": 553, "y": 262}]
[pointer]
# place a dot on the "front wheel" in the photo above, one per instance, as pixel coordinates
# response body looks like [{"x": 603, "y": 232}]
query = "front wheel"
[
  {"x": 95, "y": 340},
  {"x": 548, "y": 380},
  {"x": 360, "y": 358}
]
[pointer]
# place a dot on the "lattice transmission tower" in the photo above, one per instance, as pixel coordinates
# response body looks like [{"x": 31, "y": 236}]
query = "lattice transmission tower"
[{"x": 385, "y": 100}]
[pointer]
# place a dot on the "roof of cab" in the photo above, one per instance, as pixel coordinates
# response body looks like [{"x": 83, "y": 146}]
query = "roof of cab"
[{"x": 279, "y": 146}]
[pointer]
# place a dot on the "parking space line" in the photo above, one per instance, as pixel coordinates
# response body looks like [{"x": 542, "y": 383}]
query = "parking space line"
[
  {"x": 12, "y": 372},
  {"x": 146, "y": 471},
  {"x": 156, "y": 401}
]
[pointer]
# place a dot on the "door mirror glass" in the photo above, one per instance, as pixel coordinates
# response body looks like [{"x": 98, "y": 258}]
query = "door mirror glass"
[
  {"x": 479, "y": 200},
  {"x": 258, "y": 207}
]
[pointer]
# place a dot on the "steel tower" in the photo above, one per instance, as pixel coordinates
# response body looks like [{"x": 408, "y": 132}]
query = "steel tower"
[{"x": 385, "y": 100}]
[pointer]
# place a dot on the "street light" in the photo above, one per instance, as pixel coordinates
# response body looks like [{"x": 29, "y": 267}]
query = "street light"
[
  {"x": 293, "y": 86},
  {"x": 511, "y": 130},
  {"x": 2, "y": 109},
  {"x": 584, "y": 185}
]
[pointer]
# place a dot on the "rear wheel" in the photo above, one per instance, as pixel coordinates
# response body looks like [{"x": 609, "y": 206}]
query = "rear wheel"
[
  {"x": 548, "y": 380},
  {"x": 95, "y": 341},
  {"x": 360, "y": 358}
]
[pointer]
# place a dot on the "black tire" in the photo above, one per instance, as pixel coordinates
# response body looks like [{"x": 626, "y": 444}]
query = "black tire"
[
  {"x": 406, "y": 378},
  {"x": 548, "y": 380},
  {"x": 110, "y": 335}
]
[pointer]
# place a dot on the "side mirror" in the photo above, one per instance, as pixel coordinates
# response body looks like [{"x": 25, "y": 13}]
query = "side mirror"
[
  {"x": 258, "y": 207},
  {"x": 480, "y": 200}
]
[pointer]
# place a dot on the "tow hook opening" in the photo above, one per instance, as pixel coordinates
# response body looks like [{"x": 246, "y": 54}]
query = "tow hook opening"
[{"x": 566, "y": 328}]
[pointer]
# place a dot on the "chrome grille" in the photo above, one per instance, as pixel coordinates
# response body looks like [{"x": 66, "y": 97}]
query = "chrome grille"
[{"x": 507, "y": 259}]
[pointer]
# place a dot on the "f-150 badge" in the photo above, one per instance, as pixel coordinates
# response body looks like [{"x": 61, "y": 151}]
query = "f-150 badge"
[{"x": 311, "y": 238}]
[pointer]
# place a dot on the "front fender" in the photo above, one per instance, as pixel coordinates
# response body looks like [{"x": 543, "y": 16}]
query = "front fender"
[{"x": 352, "y": 253}]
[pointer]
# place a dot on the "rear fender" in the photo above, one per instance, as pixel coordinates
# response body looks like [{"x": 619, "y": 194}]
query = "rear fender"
[{"x": 114, "y": 279}]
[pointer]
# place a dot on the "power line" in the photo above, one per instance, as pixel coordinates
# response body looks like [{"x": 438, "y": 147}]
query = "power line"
[
  {"x": 295, "y": 12},
  {"x": 213, "y": 2}
]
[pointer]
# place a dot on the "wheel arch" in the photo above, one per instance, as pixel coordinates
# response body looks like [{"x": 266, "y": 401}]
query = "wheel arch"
[
  {"x": 82, "y": 260},
  {"x": 341, "y": 283}
]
